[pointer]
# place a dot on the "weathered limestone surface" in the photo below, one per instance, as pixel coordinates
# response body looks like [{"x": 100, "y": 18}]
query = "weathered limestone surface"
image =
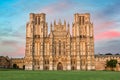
[{"x": 59, "y": 50}]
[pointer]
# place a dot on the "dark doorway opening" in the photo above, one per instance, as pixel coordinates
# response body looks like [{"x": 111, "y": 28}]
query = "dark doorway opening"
[
  {"x": 59, "y": 66},
  {"x": 15, "y": 66},
  {"x": 73, "y": 68},
  {"x": 23, "y": 67}
]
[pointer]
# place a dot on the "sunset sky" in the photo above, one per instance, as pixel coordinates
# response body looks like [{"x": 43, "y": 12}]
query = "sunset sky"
[{"x": 105, "y": 15}]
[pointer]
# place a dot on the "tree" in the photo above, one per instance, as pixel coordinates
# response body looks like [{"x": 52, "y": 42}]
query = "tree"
[
  {"x": 108, "y": 54},
  {"x": 111, "y": 63},
  {"x": 117, "y": 54}
]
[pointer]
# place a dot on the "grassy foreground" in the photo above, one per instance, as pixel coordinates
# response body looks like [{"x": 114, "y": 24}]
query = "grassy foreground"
[{"x": 59, "y": 75}]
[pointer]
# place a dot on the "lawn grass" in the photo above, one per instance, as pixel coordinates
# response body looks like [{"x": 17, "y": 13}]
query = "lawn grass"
[{"x": 59, "y": 75}]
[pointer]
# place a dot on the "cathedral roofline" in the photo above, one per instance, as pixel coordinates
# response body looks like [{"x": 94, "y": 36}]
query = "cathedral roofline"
[
  {"x": 37, "y": 14},
  {"x": 82, "y": 14}
]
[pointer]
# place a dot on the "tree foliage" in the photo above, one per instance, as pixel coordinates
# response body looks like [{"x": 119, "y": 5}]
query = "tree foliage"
[{"x": 111, "y": 63}]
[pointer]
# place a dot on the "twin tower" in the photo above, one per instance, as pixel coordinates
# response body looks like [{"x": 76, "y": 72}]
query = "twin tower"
[{"x": 59, "y": 50}]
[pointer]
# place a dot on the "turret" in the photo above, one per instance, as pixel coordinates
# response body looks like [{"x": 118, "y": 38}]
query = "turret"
[
  {"x": 43, "y": 19},
  {"x": 31, "y": 17},
  {"x": 54, "y": 22},
  {"x": 68, "y": 27},
  {"x": 51, "y": 27},
  {"x": 64, "y": 22},
  {"x": 76, "y": 17}
]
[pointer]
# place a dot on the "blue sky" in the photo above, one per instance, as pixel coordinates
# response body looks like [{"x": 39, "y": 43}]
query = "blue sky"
[{"x": 14, "y": 14}]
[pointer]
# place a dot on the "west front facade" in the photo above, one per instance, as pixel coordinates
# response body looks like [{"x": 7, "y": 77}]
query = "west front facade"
[{"x": 61, "y": 48}]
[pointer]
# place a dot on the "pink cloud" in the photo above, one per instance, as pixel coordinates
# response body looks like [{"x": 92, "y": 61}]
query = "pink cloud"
[
  {"x": 58, "y": 7},
  {"x": 107, "y": 35},
  {"x": 9, "y": 43},
  {"x": 103, "y": 31},
  {"x": 20, "y": 51},
  {"x": 12, "y": 49},
  {"x": 104, "y": 26}
]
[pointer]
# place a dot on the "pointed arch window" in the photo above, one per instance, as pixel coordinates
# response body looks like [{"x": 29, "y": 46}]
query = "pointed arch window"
[
  {"x": 59, "y": 47},
  {"x": 38, "y": 20}
]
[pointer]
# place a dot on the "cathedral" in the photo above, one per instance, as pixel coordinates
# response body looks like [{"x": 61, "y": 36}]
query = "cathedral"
[{"x": 61, "y": 48}]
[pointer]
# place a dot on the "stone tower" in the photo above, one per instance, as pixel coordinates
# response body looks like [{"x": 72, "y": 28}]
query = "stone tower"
[
  {"x": 82, "y": 30},
  {"x": 59, "y": 50},
  {"x": 36, "y": 31}
]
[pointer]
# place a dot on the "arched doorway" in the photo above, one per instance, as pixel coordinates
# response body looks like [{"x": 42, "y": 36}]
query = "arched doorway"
[
  {"x": 59, "y": 66},
  {"x": 15, "y": 66}
]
